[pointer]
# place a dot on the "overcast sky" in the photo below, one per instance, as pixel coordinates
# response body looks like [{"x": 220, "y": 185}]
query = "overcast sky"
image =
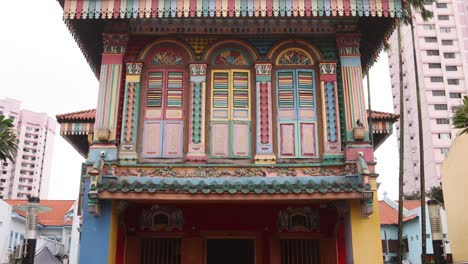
[{"x": 41, "y": 65}]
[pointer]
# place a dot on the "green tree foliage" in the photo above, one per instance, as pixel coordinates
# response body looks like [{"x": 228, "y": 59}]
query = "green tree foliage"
[
  {"x": 460, "y": 119},
  {"x": 8, "y": 141}
]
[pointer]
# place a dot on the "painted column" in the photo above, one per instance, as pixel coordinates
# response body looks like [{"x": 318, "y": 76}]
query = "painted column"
[
  {"x": 98, "y": 243},
  {"x": 356, "y": 130},
  {"x": 196, "y": 147},
  {"x": 109, "y": 86},
  {"x": 130, "y": 112},
  {"x": 107, "y": 110},
  {"x": 365, "y": 231},
  {"x": 353, "y": 89},
  {"x": 264, "y": 146},
  {"x": 330, "y": 115}
]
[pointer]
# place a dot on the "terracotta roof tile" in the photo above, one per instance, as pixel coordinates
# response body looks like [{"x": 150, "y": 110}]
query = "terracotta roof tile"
[
  {"x": 86, "y": 115},
  {"x": 55, "y": 217},
  {"x": 383, "y": 115},
  {"x": 389, "y": 215},
  {"x": 411, "y": 204}
]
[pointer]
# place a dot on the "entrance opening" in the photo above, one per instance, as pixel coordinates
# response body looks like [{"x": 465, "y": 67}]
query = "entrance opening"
[
  {"x": 230, "y": 251},
  {"x": 161, "y": 251},
  {"x": 300, "y": 251}
]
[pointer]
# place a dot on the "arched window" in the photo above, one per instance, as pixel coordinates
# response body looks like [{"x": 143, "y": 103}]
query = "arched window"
[
  {"x": 231, "y": 93},
  {"x": 296, "y": 104},
  {"x": 163, "y": 112}
]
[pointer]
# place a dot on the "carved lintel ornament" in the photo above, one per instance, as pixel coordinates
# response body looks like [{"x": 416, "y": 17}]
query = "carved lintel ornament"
[
  {"x": 348, "y": 44},
  {"x": 327, "y": 68},
  {"x": 160, "y": 217},
  {"x": 197, "y": 69},
  {"x": 304, "y": 219},
  {"x": 114, "y": 43},
  {"x": 134, "y": 68},
  {"x": 263, "y": 68}
]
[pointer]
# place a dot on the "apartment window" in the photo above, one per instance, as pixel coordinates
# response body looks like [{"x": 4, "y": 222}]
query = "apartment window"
[
  {"x": 445, "y": 29},
  {"x": 443, "y": 17},
  {"x": 438, "y": 93},
  {"x": 444, "y": 151},
  {"x": 430, "y": 39},
  {"x": 435, "y": 65},
  {"x": 453, "y": 81},
  {"x": 447, "y": 42},
  {"x": 455, "y": 95},
  {"x": 440, "y": 107},
  {"x": 416, "y": 178},
  {"x": 442, "y": 121},
  {"x": 432, "y": 52},
  {"x": 437, "y": 79},
  {"x": 4, "y": 172},
  {"x": 441, "y": 5},
  {"x": 444, "y": 136},
  {"x": 449, "y": 55},
  {"x": 429, "y": 27},
  {"x": 451, "y": 68}
]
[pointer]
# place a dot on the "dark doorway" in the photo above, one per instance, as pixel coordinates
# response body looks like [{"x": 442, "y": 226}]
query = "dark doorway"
[{"x": 230, "y": 251}]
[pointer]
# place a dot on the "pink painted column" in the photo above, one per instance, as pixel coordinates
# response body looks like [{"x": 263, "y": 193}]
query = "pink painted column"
[
  {"x": 109, "y": 86},
  {"x": 264, "y": 147},
  {"x": 330, "y": 115},
  {"x": 196, "y": 147},
  {"x": 356, "y": 127}
]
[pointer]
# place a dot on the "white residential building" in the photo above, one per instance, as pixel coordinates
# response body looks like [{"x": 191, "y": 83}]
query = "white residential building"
[
  {"x": 54, "y": 228},
  {"x": 29, "y": 174},
  {"x": 442, "y": 54}
]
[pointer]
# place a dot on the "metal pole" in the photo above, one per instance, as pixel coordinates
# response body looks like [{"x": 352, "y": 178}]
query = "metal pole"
[{"x": 31, "y": 230}]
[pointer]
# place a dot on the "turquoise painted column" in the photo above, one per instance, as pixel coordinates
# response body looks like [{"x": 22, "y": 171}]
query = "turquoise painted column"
[
  {"x": 196, "y": 148},
  {"x": 330, "y": 113},
  {"x": 95, "y": 232},
  {"x": 264, "y": 147},
  {"x": 129, "y": 134}
]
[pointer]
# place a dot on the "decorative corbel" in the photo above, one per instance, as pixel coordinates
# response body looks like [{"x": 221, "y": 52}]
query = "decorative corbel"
[{"x": 95, "y": 176}]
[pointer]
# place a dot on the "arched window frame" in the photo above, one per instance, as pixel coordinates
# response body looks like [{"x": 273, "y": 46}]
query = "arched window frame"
[
  {"x": 294, "y": 121},
  {"x": 233, "y": 120},
  {"x": 165, "y": 63}
]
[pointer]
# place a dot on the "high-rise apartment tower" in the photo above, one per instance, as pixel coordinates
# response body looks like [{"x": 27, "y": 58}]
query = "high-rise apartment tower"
[
  {"x": 442, "y": 56},
  {"x": 29, "y": 174}
]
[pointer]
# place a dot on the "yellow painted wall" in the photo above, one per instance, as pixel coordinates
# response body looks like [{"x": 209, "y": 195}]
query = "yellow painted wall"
[
  {"x": 455, "y": 186},
  {"x": 113, "y": 234},
  {"x": 365, "y": 232}
]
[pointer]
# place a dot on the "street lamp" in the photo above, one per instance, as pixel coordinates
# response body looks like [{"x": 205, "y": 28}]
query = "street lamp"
[
  {"x": 436, "y": 230},
  {"x": 32, "y": 208}
]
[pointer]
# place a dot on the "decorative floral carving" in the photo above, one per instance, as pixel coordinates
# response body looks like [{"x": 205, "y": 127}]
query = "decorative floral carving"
[
  {"x": 231, "y": 58},
  {"x": 302, "y": 219},
  {"x": 280, "y": 171},
  {"x": 212, "y": 172},
  {"x": 294, "y": 57},
  {"x": 166, "y": 57}
]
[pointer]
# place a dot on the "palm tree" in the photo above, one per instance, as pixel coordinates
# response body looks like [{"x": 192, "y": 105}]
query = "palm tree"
[
  {"x": 407, "y": 19},
  {"x": 460, "y": 119},
  {"x": 8, "y": 142}
]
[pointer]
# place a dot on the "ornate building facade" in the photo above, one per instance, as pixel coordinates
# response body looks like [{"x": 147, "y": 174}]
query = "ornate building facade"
[{"x": 229, "y": 131}]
